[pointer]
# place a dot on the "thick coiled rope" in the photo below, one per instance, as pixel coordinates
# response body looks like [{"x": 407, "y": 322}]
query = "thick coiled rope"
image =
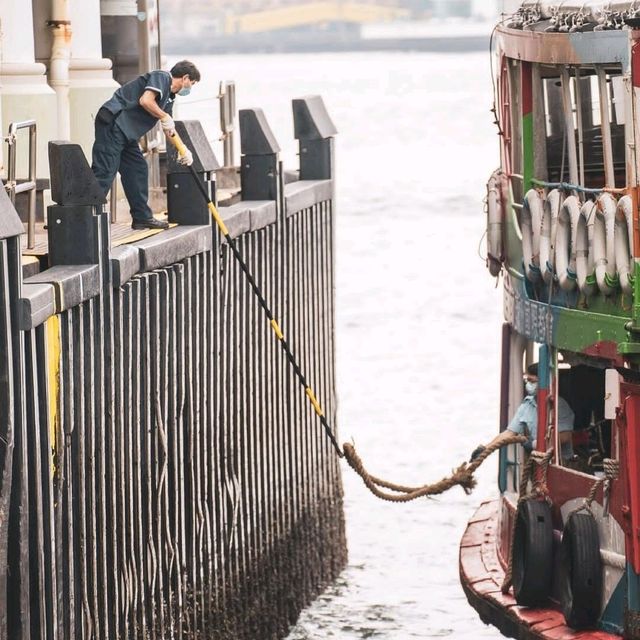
[{"x": 462, "y": 476}]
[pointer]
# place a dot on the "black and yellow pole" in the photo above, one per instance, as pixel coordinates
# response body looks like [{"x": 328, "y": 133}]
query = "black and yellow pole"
[{"x": 182, "y": 150}]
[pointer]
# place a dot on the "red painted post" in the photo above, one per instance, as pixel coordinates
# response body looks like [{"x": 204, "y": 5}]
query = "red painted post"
[{"x": 629, "y": 425}]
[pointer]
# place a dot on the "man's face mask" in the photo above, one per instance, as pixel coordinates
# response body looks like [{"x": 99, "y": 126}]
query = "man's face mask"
[
  {"x": 186, "y": 89},
  {"x": 531, "y": 388}
]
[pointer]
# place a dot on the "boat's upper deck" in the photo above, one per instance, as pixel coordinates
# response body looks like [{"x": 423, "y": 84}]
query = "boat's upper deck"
[
  {"x": 576, "y": 48},
  {"x": 572, "y": 33},
  {"x": 564, "y": 103}
]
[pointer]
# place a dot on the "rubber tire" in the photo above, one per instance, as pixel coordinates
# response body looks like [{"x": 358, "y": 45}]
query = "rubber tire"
[
  {"x": 532, "y": 565},
  {"x": 580, "y": 572}
]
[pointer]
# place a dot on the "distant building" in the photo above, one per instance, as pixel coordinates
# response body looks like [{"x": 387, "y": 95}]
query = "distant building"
[
  {"x": 444, "y": 8},
  {"x": 509, "y": 6}
]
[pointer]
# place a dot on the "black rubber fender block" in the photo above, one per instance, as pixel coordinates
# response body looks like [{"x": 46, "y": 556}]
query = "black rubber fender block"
[
  {"x": 580, "y": 572},
  {"x": 532, "y": 568}
]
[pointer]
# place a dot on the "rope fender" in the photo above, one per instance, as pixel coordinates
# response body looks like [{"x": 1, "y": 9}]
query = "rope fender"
[
  {"x": 462, "y": 476},
  {"x": 611, "y": 472}
]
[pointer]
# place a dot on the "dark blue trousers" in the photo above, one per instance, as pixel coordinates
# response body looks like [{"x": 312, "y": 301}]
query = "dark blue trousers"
[{"x": 113, "y": 153}]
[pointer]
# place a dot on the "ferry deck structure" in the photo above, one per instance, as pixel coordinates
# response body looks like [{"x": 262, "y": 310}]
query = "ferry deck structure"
[{"x": 558, "y": 554}]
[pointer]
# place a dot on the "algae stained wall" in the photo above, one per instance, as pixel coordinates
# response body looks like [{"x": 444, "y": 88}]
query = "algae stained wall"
[{"x": 163, "y": 474}]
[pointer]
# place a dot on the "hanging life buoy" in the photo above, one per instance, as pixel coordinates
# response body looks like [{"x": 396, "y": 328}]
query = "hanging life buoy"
[
  {"x": 585, "y": 265},
  {"x": 603, "y": 244},
  {"x": 495, "y": 222},
  {"x": 530, "y": 222},
  {"x": 532, "y": 564},
  {"x": 566, "y": 236},
  {"x": 550, "y": 213},
  {"x": 623, "y": 239},
  {"x": 580, "y": 572}
]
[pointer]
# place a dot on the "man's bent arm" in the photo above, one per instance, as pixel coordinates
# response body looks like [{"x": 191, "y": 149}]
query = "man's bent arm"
[{"x": 148, "y": 103}]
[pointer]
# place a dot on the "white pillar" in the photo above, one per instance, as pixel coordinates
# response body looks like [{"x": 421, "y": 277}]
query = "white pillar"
[
  {"x": 25, "y": 92},
  {"x": 92, "y": 82},
  {"x": 61, "y": 32}
]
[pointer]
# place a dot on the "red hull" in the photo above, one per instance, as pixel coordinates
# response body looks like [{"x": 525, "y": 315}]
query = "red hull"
[{"x": 481, "y": 575}]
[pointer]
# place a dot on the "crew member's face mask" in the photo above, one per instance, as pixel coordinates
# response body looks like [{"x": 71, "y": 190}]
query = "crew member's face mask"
[
  {"x": 186, "y": 89},
  {"x": 531, "y": 388}
]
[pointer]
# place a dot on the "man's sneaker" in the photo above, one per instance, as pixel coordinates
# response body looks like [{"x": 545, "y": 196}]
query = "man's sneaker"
[{"x": 151, "y": 223}]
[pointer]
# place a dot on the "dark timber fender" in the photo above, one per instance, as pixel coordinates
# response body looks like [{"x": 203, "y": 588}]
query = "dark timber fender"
[
  {"x": 580, "y": 572},
  {"x": 532, "y": 553}
]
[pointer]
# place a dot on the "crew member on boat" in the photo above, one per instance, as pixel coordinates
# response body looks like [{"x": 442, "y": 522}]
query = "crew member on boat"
[
  {"x": 132, "y": 111},
  {"x": 525, "y": 420}
]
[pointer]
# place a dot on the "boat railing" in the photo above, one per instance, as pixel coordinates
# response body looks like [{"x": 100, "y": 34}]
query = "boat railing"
[
  {"x": 565, "y": 186},
  {"x": 11, "y": 185},
  {"x": 516, "y": 176}
]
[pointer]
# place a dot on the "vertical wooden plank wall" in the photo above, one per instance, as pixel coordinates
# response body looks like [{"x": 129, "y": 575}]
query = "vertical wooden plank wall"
[{"x": 181, "y": 487}]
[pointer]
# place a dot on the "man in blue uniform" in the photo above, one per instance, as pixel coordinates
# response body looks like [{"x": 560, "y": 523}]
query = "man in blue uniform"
[
  {"x": 525, "y": 420},
  {"x": 132, "y": 111}
]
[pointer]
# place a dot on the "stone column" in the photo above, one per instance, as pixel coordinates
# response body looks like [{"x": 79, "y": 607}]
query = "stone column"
[
  {"x": 92, "y": 82},
  {"x": 25, "y": 92}
]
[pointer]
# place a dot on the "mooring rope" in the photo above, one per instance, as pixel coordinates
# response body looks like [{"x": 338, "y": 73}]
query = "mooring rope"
[{"x": 462, "y": 476}]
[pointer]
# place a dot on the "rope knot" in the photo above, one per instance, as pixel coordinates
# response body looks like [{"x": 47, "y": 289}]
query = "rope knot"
[
  {"x": 611, "y": 468},
  {"x": 462, "y": 476}
]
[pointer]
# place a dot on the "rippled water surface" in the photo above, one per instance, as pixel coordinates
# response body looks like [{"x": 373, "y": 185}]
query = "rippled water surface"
[{"x": 418, "y": 316}]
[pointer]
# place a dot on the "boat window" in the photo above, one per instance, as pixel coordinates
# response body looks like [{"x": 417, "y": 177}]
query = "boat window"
[
  {"x": 583, "y": 448},
  {"x": 591, "y": 101},
  {"x": 595, "y": 100},
  {"x": 617, "y": 87},
  {"x": 553, "y": 107}
]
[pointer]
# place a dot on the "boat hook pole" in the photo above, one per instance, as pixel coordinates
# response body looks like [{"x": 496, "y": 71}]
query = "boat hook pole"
[{"x": 182, "y": 149}]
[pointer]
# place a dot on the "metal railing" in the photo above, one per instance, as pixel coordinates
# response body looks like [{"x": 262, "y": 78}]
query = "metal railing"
[
  {"x": 227, "y": 97},
  {"x": 12, "y": 187}
]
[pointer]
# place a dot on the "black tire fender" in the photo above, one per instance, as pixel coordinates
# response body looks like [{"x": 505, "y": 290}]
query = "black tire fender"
[
  {"x": 532, "y": 562},
  {"x": 580, "y": 572}
]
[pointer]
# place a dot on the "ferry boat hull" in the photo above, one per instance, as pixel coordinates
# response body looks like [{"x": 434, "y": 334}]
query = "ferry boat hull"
[{"x": 482, "y": 573}]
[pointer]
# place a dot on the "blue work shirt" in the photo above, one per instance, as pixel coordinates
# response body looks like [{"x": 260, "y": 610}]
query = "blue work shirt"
[
  {"x": 130, "y": 117},
  {"x": 525, "y": 421}
]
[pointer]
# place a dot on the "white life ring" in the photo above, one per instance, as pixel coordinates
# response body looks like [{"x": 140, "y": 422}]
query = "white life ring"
[
  {"x": 623, "y": 243},
  {"x": 603, "y": 244},
  {"x": 530, "y": 228},
  {"x": 495, "y": 223},
  {"x": 585, "y": 264},
  {"x": 566, "y": 235},
  {"x": 550, "y": 213}
]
